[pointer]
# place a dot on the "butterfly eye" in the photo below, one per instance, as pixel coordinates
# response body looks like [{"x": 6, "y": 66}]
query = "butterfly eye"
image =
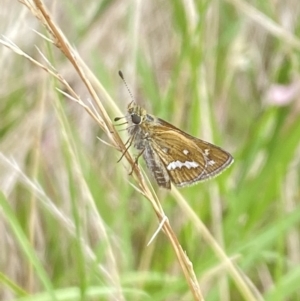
[{"x": 136, "y": 119}]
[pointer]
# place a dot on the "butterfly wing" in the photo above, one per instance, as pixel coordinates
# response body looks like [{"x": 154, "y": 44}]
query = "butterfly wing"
[{"x": 187, "y": 159}]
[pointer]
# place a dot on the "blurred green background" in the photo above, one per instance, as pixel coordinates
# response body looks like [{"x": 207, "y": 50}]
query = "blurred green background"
[{"x": 71, "y": 224}]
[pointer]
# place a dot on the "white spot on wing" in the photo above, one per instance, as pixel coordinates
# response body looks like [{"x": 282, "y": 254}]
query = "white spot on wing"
[
  {"x": 178, "y": 164},
  {"x": 211, "y": 162},
  {"x": 206, "y": 151},
  {"x": 185, "y": 151}
]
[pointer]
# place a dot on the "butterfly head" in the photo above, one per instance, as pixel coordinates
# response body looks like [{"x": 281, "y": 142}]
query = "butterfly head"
[{"x": 136, "y": 113}]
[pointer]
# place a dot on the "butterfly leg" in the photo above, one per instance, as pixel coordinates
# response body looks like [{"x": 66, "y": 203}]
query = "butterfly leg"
[
  {"x": 136, "y": 161},
  {"x": 129, "y": 142}
]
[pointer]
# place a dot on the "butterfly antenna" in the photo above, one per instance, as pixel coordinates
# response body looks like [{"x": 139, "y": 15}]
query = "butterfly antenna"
[{"x": 124, "y": 81}]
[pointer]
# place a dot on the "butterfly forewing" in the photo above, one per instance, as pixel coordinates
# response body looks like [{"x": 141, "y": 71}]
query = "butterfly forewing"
[{"x": 188, "y": 160}]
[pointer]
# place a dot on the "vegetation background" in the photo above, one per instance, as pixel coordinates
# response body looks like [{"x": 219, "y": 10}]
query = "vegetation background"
[{"x": 73, "y": 228}]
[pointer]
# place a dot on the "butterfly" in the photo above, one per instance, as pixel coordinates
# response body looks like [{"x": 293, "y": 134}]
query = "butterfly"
[{"x": 172, "y": 155}]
